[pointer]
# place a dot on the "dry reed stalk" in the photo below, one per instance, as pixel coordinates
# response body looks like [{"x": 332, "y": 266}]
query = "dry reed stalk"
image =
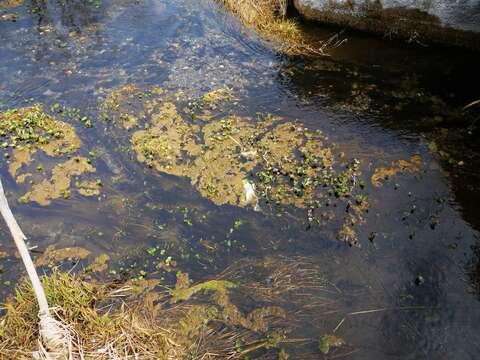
[{"x": 55, "y": 339}]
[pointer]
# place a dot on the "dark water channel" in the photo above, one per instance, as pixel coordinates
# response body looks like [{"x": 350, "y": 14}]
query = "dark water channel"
[{"x": 410, "y": 290}]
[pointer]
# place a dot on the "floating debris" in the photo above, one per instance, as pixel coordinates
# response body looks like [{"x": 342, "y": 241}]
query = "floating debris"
[{"x": 250, "y": 196}]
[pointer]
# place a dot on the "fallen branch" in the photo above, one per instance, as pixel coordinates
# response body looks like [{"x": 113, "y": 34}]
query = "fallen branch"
[
  {"x": 54, "y": 341},
  {"x": 473, "y": 103}
]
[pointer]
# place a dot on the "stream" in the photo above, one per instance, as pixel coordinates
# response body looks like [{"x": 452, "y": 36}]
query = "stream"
[{"x": 396, "y": 258}]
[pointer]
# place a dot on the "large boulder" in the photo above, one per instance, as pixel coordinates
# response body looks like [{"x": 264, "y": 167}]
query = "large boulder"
[{"x": 445, "y": 21}]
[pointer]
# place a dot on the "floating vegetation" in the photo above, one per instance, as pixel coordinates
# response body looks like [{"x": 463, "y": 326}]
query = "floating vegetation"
[
  {"x": 224, "y": 308},
  {"x": 330, "y": 342},
  {"x": 27, "y": 131},
  {"x": 52, "y": 255},
  {"x": 411, "y": 166},
  {"x": 238, "y": 160},
  {"x": 89, "y": 188},
  {"x": 99, "y": 264},
  {"x": 219, "y": 286},
  {"x": 204, "y": 107},
  {"x": 59, "y": 184},
  {"x": 8, "y": 4}
]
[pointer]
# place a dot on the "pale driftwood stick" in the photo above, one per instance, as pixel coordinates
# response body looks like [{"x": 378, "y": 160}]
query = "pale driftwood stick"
[
  {"x": 53, "y": 334},
  {"x": 19, "y": 238}
]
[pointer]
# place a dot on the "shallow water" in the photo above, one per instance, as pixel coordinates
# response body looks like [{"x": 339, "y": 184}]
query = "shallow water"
[{"x": 411, "y": 290}]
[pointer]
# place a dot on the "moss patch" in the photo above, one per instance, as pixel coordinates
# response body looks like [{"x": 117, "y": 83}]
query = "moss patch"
[
  {"x": 329, "y": 342},
  {"x": 89, "y": 188},
  {"x": 180, "y": 293}
]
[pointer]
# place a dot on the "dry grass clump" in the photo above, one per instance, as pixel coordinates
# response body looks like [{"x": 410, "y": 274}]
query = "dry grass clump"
[
  {"x": 98, "y": 330},
  {"x": 132, "y": 321},
  {"x": 268, "y": 17}
]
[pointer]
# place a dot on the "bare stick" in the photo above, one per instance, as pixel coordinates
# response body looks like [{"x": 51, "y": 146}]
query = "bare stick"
[{"x": 52, "y": 333}]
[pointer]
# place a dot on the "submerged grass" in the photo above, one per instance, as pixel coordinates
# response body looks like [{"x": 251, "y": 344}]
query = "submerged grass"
[
  {"x": 133, "y": 321},
  {"x": 269, "y": 19}
]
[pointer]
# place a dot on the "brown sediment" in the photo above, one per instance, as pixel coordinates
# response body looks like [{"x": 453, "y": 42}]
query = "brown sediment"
[{"x": 59, "y": 184}]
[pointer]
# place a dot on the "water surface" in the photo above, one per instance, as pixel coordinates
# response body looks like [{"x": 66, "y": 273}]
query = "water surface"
[{"x": 410, "y": 290}]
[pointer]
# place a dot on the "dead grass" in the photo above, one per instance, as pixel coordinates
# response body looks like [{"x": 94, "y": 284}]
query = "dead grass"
[
  {"x": 132, "y": 321},
  {"x": 268, "y": 18},
  {"x": 101, "y": 327},
  {"x": 250, "y": 310}
]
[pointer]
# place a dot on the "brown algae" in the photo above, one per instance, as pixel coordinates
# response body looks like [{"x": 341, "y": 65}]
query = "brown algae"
[
  {"x": 29, "y": 130},
  {"x": 411, "y": 166},
  {"x": 59, "y": 184},
  {"x": 52, "y": 255},
  {"x": 279, "y": 161}
]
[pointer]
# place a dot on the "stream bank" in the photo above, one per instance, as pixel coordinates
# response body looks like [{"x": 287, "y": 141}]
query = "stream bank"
[{"x": 434, "y": 22}]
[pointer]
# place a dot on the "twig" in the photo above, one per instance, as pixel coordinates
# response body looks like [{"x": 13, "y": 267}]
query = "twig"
[
  {"x": 386, "y": 309},
  {"x": 473, "y": 103},
  {"x": 338, "y": 326}
]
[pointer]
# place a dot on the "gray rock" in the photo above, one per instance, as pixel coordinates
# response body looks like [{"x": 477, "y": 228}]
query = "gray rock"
[{"x": 444, "y": 21}]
